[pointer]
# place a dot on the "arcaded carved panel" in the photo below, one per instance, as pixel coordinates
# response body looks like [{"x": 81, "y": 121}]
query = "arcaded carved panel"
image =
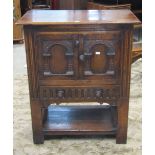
[
  {"x": 47, "y": 44},
  {"x": 102, "y": 57},
  {"x": 57, "y": 58},
  {"x": 108, "y": 45},
  {"x": 99, "y": 52}
]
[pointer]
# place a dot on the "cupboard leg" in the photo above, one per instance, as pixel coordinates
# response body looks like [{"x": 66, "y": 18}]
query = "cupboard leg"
[
  {"x": 36, "y": 114},
  {"x": 114, "y": 115},
  {"x": 44, "y": 114},
  {"x": 122, "y": 112}
]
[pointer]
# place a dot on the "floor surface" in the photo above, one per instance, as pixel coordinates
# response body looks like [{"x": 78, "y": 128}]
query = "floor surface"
[{"x": 19, "y": 59}]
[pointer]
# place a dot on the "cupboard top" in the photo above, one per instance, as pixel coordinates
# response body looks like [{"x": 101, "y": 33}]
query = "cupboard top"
[{"x": 51, "y": 17}]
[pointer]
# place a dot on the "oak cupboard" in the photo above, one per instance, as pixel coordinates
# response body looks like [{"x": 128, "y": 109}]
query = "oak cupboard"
[{"x": 79, "y": 56}]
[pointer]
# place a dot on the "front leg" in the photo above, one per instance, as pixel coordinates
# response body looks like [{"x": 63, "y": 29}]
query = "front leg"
[
  {"x": 122, "y": 112},
  {"x": 37, "y": 124}
]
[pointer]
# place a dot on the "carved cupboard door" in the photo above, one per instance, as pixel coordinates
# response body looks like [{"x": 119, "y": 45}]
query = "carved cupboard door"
[
  {"x": 58, "y": 55},
  {"x": 99, "y": 56}
]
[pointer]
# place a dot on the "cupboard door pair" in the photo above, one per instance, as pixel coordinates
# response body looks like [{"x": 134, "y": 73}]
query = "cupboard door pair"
[{"x": 83, "y": 56}]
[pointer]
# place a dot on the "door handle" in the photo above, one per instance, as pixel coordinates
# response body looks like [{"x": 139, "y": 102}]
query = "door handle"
[
  {"x": 82, "y": 57},
  {"x": 77, "y": 43}
]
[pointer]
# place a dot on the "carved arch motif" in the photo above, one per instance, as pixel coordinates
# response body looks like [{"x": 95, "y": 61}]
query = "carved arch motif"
[
  {"x": 58, "y": 58},
  {"x": 99, "y": 57}
]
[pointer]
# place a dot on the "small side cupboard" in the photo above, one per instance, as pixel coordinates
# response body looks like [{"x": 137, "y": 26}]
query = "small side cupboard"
[{"x": 76, "y": 56}]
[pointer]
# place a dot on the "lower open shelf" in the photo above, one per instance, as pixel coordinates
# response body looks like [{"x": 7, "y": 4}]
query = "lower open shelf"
[{"x": 80, "y": 120}]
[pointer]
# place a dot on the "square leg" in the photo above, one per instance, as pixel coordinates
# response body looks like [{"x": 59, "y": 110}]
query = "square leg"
[
  {"x": 37, "y": 123},
  {"x": 122, "y": 112}
]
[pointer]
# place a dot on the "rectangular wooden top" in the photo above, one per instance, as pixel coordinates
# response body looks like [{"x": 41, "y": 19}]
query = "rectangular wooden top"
[{"x": 52, "y": 17}]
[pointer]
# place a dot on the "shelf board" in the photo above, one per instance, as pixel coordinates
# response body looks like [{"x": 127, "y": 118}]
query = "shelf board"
[{"x": 78, "y": 120}]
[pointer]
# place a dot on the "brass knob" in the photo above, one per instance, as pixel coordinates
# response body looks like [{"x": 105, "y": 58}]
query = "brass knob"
[
  {"x": 82, "y": 57},
  {"x": 77, "y": 42}
]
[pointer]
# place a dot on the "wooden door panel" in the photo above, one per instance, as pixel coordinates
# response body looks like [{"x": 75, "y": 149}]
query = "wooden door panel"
[
  {"x": 101, "y": 55},
  {"x": 58, "y": 56},
  {"x": 58, "y": 53},
  {"x": 98, "y": 59}
]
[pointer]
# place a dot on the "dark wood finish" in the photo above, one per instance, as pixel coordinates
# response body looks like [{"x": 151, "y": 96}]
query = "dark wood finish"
[
  {"x": 25, "y": 6},
  {"x": 75, "y": 120},
  {"x": 136, "y": 5},
  {"x": 136, "y": 51},
  {"x": 108, "y": 94},
  {"x": 79, "y": 56},
  {"x": 37, "y": 117},
  {"x": 17, "y": 29},
  {"x": 97, "y": 6},
  {"x": 137, "y": 43},
  {"x": 69, "y": 4},
  {"x": 41, "y": 4}
]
